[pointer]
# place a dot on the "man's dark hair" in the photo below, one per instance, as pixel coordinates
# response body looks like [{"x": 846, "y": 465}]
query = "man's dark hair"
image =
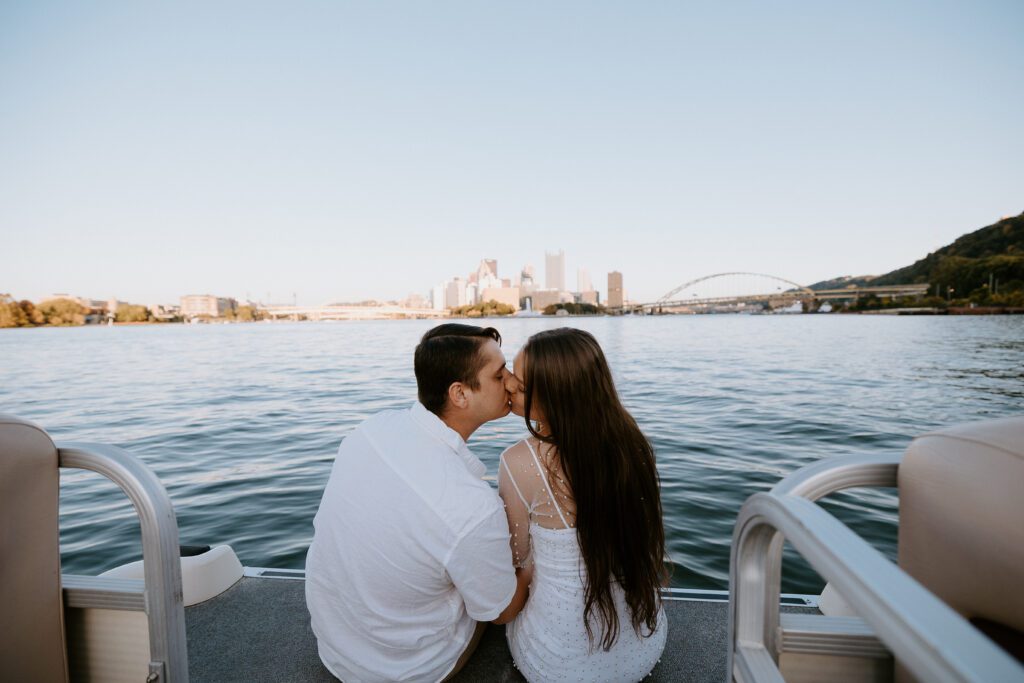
[{"x": 447, "y": 354}]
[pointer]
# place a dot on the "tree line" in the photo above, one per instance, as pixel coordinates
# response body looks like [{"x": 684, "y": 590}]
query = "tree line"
[
  {"x": 24, "y": 313},
  {"x": 984, "y": 268},
  {"x": 68, "y": 312}
]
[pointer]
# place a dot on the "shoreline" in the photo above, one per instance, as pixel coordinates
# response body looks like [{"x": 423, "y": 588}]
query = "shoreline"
[{"x": 955, "y": 311}]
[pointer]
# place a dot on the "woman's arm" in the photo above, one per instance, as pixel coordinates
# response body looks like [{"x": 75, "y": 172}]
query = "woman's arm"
[
  {"x": 516, "y": 507},
  {"x": 519, "y": 532}
]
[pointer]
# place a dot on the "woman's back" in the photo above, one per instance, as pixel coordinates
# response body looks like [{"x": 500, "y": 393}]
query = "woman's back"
[{"x": 549, "y": 639}]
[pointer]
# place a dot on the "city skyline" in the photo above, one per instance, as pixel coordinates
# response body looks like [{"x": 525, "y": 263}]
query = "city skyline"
[
  {"x": 486, "y": 284},
  {"x": 366, "y": 151},
  {"x": 583, "y": 284}
]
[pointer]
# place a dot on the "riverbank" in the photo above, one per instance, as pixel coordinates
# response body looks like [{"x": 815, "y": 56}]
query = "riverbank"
[{"x": 953, "y": 310}]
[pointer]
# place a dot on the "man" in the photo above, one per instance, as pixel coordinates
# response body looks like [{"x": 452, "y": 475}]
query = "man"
[{"x": 410, "y": 546}]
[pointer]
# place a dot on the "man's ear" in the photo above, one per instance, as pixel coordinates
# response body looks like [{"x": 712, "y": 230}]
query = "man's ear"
[{"x": 457, "y": 395}]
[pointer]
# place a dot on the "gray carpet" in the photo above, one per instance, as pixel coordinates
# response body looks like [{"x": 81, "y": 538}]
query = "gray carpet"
[{"x": 258, "y": 631}]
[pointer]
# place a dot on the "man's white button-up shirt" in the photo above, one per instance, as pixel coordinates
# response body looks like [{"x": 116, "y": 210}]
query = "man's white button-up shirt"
[{"x": 410, "y": 549}]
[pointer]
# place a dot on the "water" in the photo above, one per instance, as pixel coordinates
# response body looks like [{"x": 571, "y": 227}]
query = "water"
[{"x": 241, "y": 422}]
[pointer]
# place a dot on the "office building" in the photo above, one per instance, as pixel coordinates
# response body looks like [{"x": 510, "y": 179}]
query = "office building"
[
  {"x": 503, "y": 295},
  {"x": 437, "y": 297},
  {"x": 197, "y": 305},
  {"x": 554, "y": 271},
  {"x": 542, "y": 298},
  {"x": 615, "y": 289},
  {"x": 455, "y": 295},
  {"x": 487, "y": 275},
  {"x": 583, "y": 283}
]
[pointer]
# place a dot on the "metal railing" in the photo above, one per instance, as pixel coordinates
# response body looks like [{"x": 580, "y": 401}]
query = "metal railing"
[
  {"x": 927, "y": 636},
  {"x": 160, "y": 595}
]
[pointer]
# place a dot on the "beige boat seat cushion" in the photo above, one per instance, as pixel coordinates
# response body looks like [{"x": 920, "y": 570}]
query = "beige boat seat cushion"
[
  {"x": 961, "y": 530},
  {"x": 31, "y": 609}
]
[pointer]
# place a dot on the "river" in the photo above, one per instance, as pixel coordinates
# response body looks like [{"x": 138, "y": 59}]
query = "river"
[{"x": 241, "y": 422}]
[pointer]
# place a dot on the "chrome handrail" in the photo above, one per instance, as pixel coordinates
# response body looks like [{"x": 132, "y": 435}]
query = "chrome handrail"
[
  {"x": 829, "y": 475},
  {"x": 160, "y": 552},
  {"x": 930, "y": 638}
]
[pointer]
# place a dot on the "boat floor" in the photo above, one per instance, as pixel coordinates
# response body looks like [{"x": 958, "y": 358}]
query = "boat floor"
[{"x": 258, "y": 630}]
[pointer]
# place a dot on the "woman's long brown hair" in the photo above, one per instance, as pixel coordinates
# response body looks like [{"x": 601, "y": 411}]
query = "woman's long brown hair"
[{"x": 609, "y": 467}]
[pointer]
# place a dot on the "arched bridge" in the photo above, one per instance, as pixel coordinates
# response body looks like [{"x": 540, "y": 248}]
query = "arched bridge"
[{"x": 737, "y": 289}]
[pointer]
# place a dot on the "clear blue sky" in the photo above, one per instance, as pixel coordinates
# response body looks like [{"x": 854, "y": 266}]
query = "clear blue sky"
[{"x": 349, "y": 150}]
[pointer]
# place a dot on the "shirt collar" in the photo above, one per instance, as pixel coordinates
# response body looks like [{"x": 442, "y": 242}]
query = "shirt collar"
[{"x": 436, "y": 427}]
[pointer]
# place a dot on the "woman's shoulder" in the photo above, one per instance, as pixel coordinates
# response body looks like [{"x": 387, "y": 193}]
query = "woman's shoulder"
[{"x": 517, "y": 452}]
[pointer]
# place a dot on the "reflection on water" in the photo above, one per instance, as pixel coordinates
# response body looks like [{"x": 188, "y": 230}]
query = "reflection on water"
[{"x": 241, "y": 422}]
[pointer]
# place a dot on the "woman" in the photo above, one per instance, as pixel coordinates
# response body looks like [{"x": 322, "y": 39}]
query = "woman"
[{"x": 584, "y": 510}]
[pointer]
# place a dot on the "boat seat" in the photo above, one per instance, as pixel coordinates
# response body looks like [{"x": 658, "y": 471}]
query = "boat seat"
[
  {"x": 51, "y": 624},
  {"x": 32, "y": 642},
  {"x": 961, "y": 531},
  {"x": 961, "y": 563}
]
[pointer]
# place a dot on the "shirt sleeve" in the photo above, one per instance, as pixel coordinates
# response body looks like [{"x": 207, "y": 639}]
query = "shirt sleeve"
[
  {"x": 517, "y": 511},
  {"x": 480, "y": 566}
]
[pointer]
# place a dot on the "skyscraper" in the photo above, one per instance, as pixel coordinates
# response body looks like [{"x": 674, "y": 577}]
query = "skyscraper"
[
  {"x": 614, "y": 289},
  {"x": 437, "y": 296},
  {"x": 583, "y": 283},
  {"x": 554, "y": 271},
  {"x": 456, "y": 293},
  {"x": 486, "y": 274}
]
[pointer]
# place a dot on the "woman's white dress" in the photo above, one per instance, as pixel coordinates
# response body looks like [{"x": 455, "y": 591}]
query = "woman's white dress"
[{"x": 548, "y": 639}]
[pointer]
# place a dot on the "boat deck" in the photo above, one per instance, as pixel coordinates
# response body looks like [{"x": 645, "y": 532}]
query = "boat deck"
[{"x": 258, "y": 630}]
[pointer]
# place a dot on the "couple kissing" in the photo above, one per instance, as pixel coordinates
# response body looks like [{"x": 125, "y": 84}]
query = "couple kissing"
[{"x": 413, "y": 553}]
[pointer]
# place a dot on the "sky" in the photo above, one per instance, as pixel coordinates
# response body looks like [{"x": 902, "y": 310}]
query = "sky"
[{"x": 338, "y": 151}]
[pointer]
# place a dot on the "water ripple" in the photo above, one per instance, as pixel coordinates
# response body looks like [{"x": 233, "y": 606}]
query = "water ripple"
[{"x": 241, "y": 422}]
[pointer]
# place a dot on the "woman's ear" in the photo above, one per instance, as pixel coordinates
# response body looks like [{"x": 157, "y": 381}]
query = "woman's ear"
[{"x": 457, "y": 395}]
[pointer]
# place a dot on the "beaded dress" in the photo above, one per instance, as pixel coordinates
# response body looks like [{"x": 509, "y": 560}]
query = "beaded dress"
[{"x": 548, "y": 639}]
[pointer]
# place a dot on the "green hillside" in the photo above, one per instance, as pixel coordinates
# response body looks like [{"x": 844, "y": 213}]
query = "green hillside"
[{"x": 966, "y": 267}]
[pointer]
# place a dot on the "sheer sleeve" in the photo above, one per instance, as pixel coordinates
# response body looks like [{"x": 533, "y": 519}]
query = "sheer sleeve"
[{"x": 517, "y": 510}]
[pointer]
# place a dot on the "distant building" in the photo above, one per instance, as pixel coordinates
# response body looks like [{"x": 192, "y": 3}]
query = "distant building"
[
  {"x": 437, "y": 297},
  {"x": 542, "y": 298},
  {"x": 456, "y": 293},
  {"x": 96, "y": 310},
  {"x": 195, "y": 305},
  {"x": 166, "y": 312},
  {"x": 526, "y": 280},
  {"x": 615, "y": 289},
  {"x": 487, "y": 276},
  {"x": 503, "y": 295},
  {"x": 554, "y": 271},
  {"x": 97, "y": 305},
  {"x": 585, "y": 293},
  {"x": 583, "y": 283},
  {"x": 415, "y": 301}
]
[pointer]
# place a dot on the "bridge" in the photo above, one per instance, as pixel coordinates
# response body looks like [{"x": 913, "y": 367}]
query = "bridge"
[
  {"x": 737, "y": 290},
  {"x": 350, "y": 312}
]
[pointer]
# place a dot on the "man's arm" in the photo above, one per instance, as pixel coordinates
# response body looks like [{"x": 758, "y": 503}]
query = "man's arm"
[
  {"x": 524, "y": 576},
  {"x": 480, "y": 567}
]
